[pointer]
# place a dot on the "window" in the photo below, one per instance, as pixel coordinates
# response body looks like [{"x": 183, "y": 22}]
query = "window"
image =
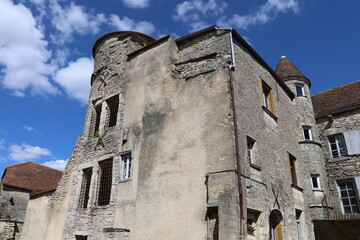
[
  {"x": 298, "y": 224},
  {"x": 267, "y": 97},
  {"x": 315, "y": 182},
  {"x": 105, "y": 182},
  {"x": 212, "y": 219},
  {"x": 113, "y": 106},
  {"x": 337, "y": 146},
  {"x": 95, "y": 120},
  {"x": 125, "y": 166},
  {"x": 300, "y": 90},
  {"x": 250, "y": 150},
  {"x": 85, "y": 188},
  {"x": 80, "y": 237},
  {"x": 292, "y": 162},
  {"x": 348, "y": 199},
  {"x": 307, "y": 133}
]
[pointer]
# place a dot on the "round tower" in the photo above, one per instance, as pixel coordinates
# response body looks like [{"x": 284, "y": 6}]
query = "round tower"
[{"x": 311, "y": 160}]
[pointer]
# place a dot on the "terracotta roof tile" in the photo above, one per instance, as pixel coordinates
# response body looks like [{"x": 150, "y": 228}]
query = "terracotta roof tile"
[
  {"x": 337, "y": 99},
  {"x": 31, "y": 176},
  {"x": 286, "y": 70}
]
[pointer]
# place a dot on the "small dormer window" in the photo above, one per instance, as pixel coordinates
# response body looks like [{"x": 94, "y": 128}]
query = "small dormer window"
[{"x": 300, "y": 92}]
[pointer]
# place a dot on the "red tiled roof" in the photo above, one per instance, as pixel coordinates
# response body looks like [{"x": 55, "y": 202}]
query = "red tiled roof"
[
  {"x": 286, "y": 70},
  {"x": 31, "y": 176},
  {"x": 337, "y": 99}
]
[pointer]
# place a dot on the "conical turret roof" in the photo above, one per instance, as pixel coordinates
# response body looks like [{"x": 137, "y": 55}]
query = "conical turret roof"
[{"x": 287, "y": 71}]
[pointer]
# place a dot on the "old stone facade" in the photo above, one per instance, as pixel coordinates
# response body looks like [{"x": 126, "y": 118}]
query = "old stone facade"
[
  {"x": 189, "y": 138},
  {"x": 338, "y": 118}
]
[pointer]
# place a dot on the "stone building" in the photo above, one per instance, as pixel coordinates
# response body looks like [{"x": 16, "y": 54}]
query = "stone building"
[
  {"x": 18, "y": 183},
  {"x": 337, "y": 113},
  {"x": 189, "y": 138}
]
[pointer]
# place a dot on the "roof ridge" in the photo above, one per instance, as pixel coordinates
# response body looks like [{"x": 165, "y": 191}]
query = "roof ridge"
[{"x": 37, "y": 164}]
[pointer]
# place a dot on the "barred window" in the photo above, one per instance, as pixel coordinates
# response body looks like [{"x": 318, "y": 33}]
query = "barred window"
[
  {"x": 113, "y": 105},
  {"x": 95, "y": 120},
  {"x": 126, "y": 166},
  {"x": 85, "y": 188},
  {"x": 105, "y": 182}
]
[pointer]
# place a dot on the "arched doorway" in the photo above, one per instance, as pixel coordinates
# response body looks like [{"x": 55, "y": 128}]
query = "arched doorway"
[{"x": 275, "y": 219}]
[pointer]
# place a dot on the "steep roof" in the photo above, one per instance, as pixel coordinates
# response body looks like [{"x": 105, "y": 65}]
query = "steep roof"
[
  {"x": 339, "y": 99},
  {"x": 31, "y": 176},
  {"x": 286, "y": 70}
]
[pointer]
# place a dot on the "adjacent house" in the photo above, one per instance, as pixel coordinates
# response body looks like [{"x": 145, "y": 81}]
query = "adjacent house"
[
  {"x": 337, "y": 113},
  {"x": 18, "y": 183}
]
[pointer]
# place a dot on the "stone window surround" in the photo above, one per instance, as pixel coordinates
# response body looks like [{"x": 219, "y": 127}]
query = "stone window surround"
[
  {"x": 307, "y": 132},
  {"x": 95, "y": 178},
  {"x": 129, "y": 169},
  {"x": 315, "y": 178},
  {"x": 268, "y": 101}
]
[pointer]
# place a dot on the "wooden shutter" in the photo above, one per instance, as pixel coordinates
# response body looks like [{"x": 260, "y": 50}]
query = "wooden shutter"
[
  {"x": 272, "y": 102},
  {"x": 279, "y": 232}
]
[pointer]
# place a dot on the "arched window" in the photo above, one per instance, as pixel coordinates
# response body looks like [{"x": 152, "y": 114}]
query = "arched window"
[{"x": 275, "y": 218}]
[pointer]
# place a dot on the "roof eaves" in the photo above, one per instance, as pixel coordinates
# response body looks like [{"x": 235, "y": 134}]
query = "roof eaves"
[
  {"x": 338, "y": 111},
  {"x": 265, "y": 65}
]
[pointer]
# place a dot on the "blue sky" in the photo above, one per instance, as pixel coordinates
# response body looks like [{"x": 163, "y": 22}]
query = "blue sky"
[{"x": 46, "y": 62}]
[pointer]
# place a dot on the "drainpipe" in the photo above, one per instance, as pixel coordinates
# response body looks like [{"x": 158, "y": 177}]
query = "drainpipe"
[{"x": 237, "y": 152}]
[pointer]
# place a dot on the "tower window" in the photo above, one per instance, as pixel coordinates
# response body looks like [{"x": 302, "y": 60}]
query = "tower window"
[
  {"x": 307, "y": 133},
  {"x": 113, "y": 106},
  {"x": 126, "y": 166},
  {"x": 300, "y": 90},
  {"x": 105, "y": 182},
  {"x": 315, "y": 182},
  {"x": 251, "y": 150},
  {"x": 85, "y": 188},
  {"x": 95, "y": 120}
]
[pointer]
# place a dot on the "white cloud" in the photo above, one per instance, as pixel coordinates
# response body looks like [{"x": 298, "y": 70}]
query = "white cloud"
[
  {"x": 126, "y": 24},
  {"x": 73, "y": 19},
  {"x": 23, "y": 52},
  {"x": 57, "y": 164},
  {"x": 26, "y": 152},
  {"x": 189, "y": 11},
  {"x": 75, "y": 79},
  {"x": 136, "y": 3},
  {"x": 264, "y": 14},
  {"x": 30, "y": 129}
]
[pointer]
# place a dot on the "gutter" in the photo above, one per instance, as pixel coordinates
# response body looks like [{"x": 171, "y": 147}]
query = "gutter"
[{"x": 237, "y": 152}]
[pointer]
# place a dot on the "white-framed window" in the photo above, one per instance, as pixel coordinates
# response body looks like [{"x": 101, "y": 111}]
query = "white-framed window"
[
  {"x": 348, "y": 196},
  {"x": 307, "y": 133},
  {"x": 337, "y": 145},
  {"x": 250, "y": 150},
  {"x": 315, "y": 181},
  {"x": 126, "y": 166},
  {"x": 300, "y": 92}
]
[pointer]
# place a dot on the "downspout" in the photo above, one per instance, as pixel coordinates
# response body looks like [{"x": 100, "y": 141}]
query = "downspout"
[{"x": 237, "y": 152}]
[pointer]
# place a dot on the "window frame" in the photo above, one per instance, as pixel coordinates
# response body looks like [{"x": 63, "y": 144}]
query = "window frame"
[
  {"x": 126, "y": 165},
  {"x": 292, "y": 168},
  {"x": 105, "y": 182},
  {"x": 267, "y": 97},
  {"x": 348, "y": 196},
  {"x": 341, "y": 151},
  {"x": 315, "y": 177},
  {"x": 302, "y": 90},
  {"x": 84, "y": 195},
  {"x": 112, "y": 111},
  {"x": 307, "y": 131}
]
